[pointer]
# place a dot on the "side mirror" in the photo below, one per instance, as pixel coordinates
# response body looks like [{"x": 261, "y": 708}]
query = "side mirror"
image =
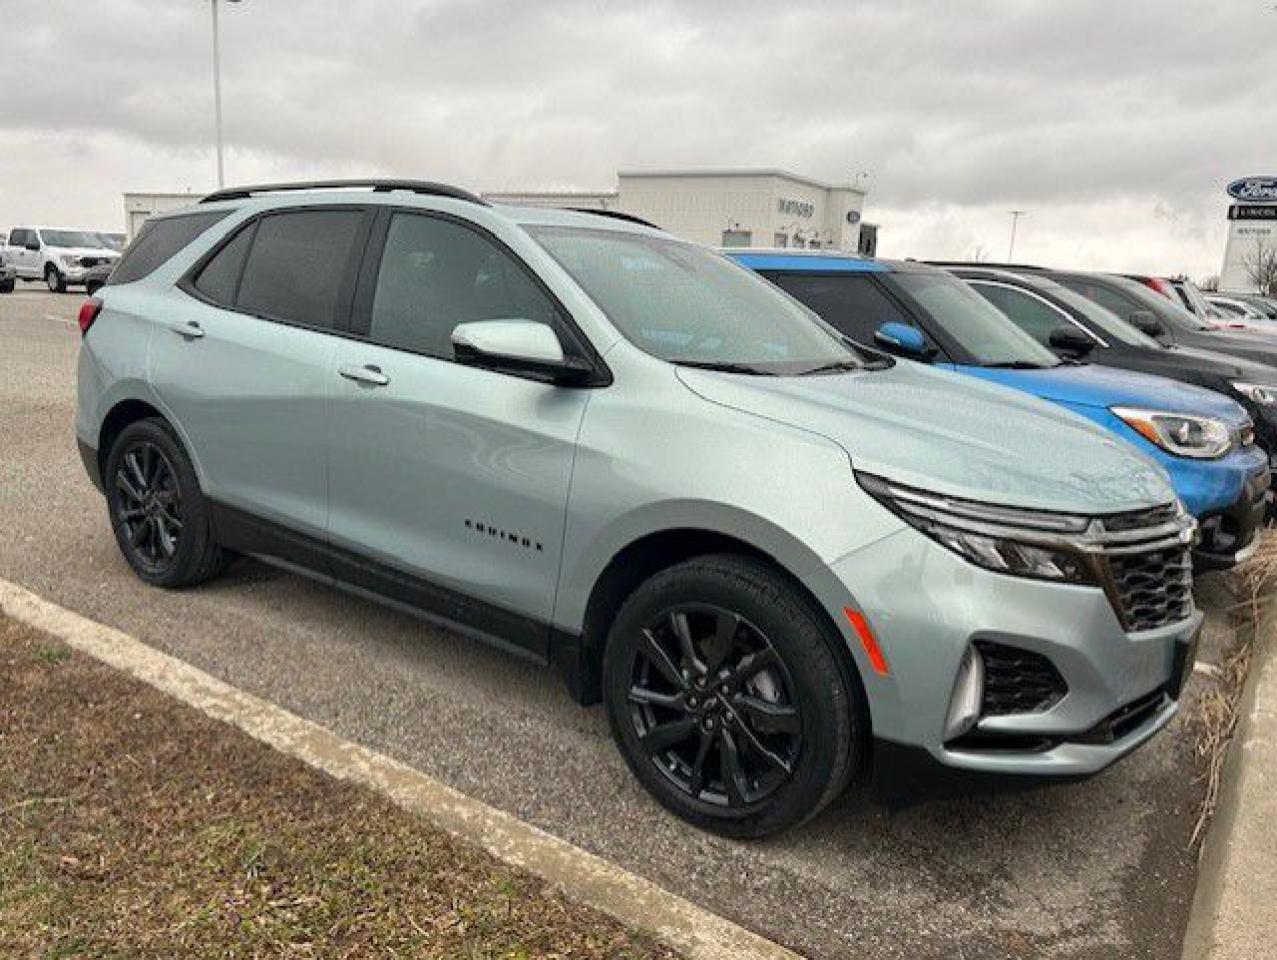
[
  {"x": 1071, "y": 341},
  {"x": 902, "y": 340},
  {"x": 1145, "y": 321},
  {"x": 521, "y": 347}
]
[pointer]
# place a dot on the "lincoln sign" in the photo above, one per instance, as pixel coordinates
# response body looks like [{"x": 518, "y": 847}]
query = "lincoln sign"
[
  {"x": 1254, "y": 189},
  {"x": 800, "y": 208}
]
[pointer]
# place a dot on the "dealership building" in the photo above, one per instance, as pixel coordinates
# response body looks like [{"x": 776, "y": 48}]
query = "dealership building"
[
  {"x": 729, "y": 208},
  {"x": 1252, "y": 230}
]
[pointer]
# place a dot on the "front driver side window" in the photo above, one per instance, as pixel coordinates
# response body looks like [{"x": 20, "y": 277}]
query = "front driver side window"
[
  {"x": 436, "y": 274},
  {"x": 1026, "y": 311}
]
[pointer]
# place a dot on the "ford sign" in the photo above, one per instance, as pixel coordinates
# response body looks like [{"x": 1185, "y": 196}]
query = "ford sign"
[{"x": 1254, "y": 189}]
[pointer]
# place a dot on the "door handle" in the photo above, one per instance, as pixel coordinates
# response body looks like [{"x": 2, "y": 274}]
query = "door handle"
[
  {"x": 191, "y": 330},
  {"x": 369, "y": 373}
]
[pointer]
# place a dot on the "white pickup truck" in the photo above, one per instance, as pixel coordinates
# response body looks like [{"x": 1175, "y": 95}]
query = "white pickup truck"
[{"x": 58, "y": 257}]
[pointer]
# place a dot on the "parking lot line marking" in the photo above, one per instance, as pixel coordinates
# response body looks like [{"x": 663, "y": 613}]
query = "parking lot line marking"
[
  {"x": 50, "y": 316},
  {"x": 581, "y": 875}
]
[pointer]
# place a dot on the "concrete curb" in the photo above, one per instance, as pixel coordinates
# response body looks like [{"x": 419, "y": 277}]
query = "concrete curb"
[
  {"x": 586, "y": 878},
  {"x": 1234, "y": 913}
]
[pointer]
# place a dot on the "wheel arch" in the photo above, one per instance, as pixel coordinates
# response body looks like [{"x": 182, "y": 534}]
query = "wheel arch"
[{"x": 578, "y": 653}]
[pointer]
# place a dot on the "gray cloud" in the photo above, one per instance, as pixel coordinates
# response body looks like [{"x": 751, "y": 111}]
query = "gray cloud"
[{"x": 1116, "y": 124}]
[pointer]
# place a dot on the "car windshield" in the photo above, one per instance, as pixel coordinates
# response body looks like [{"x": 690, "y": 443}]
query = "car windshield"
[
  {"x": 70, "y": 238},
  {"x": 1110, "y": 324},
  {"x": 689, "y": 305},
  {"x": 976, "y": 325}
]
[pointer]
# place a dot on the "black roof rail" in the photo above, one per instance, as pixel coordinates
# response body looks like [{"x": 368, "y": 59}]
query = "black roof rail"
[
  {"x": 615, "y": 215},
  {"x": 377, "y": 186}
]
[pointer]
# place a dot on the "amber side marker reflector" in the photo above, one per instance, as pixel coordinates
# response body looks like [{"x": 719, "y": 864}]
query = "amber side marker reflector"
[{"x": 861, "y": 626}]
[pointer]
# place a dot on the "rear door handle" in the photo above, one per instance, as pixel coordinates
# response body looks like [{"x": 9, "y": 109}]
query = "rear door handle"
[
  {"x": 191, "y": 330},
  {"x": 368, "y": 373}
]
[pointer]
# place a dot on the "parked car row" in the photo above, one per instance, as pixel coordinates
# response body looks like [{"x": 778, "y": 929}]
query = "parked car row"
[
  {"x": 58, "y": 257},
  {"x": 844, "y": 516}
]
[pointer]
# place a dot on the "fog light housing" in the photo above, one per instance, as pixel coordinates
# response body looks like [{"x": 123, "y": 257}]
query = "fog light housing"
[{"x": 968, "y": 693}]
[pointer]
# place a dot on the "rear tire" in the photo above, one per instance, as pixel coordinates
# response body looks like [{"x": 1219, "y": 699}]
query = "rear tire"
[
  {"x": 727, "y": 698},
  {"x": 54, "y": 280},
  {"x": 157, "y": 511}
]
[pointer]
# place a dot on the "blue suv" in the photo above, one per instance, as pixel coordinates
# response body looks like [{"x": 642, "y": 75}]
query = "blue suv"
[{"x": 1203, "y": 439}]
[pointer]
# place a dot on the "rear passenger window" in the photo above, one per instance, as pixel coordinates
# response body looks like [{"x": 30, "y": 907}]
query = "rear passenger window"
[
  {"x": 1027, "y": 312},
  {"x": 158, "y": 241},
  {"x": 435, "y": 274},
  {"x": 220, "y": 276},
  {"x": 296, "y": 264},
  {"x": 851, "y": 303}
]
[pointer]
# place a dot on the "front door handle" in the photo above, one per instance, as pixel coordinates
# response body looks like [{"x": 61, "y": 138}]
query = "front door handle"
[
  {"x": 368, "y": 373},
  {"x": 191, "y": 330}
]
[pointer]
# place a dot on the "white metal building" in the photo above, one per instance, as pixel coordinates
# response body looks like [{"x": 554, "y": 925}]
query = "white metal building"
[
  {"x": 139, "y": 206},
  {"x": 731, "y": 208}
]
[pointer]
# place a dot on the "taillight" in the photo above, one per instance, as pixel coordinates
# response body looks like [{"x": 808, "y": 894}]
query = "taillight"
[
  {"x": 1162, "y": 286},
  {"x": 89, "y": 311}
]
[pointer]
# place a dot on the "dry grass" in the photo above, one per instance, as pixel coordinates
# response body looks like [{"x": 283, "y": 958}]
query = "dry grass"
[
  {"x": 1253, "y": 584},
  {"x": 133, "y": 826}
]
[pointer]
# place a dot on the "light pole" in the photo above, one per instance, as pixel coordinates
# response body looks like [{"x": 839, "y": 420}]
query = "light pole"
[
  {"x": 1015, "y": 218},
  {"x": 217, "y": 93}
]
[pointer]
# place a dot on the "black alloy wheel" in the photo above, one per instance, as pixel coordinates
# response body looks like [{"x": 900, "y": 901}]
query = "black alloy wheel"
[
  {"x": 713, "y": 706},
  {"x": 732, "y": 697},
  {"x": 149, "y": 504},
  {"x": 158, "y": 513}
]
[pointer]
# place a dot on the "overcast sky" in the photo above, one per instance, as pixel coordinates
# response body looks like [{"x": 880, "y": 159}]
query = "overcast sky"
[{"x": 1116, "y": 125}]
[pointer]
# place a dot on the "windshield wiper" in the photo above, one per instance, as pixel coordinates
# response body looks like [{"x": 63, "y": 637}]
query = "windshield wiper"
[
  {"x": 724, "y": 366},
  {"x": 833, "y": 367},
  {"x": 1020, "y": 365}
]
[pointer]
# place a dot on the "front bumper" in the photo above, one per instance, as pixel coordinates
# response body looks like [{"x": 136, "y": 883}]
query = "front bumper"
[
  {"x": 926, "y": 606},
  {"x": 1228, "y": 536}
]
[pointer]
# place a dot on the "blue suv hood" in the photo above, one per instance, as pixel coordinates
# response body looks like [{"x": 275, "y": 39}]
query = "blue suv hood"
[
  {"x": 953, "y": 434},
  {"x": 1095, "y": 386}
]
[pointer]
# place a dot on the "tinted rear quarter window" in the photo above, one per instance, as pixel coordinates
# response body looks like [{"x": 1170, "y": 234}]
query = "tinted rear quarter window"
[
  {"x": 158, "y": 241},
  {"x": 296, "y": 265},
  {"x": 219, "y": 278}
]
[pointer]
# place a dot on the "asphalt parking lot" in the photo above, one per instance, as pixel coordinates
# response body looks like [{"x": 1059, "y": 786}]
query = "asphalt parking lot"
[{"x": 1100, "y": 869}]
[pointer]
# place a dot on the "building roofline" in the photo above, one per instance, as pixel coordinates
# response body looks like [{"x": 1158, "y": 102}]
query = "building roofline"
[{"x": 742, "y": 172}]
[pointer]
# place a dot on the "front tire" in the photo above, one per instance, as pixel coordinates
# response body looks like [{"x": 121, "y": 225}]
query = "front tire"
[
  {"x": 54, "y": 280},
  {"x": 727, "y": 698},
  {"x": 158, "y": 513}
]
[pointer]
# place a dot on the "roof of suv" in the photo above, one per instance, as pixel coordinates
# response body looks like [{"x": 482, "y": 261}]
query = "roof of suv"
[
  {"x": 405, "y": 192},
  {"x": 818, "y": 261}
]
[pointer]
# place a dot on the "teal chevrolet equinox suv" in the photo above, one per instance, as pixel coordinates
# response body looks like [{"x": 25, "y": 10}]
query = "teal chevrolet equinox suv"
[{"x": 776, "y": 558}]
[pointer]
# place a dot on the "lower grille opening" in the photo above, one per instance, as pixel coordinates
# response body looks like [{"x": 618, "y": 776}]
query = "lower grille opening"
[
  {"x": 1017, "y": 681},
  {"x": 1125, "y": 719}
]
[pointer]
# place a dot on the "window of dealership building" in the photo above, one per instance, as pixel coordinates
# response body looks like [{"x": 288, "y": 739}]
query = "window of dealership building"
[{"x": 729, "y": 208}]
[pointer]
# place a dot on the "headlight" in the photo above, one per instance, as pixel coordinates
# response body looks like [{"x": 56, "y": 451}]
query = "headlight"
[
  {"x": 1007, "y": 540},
  {"x": 1257, "y": 392},
  {"x": 1182, "y": 434}
]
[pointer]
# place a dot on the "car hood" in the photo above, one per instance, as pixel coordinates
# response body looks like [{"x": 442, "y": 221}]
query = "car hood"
[
  {"x": 84, "y": 252},
  {"x": 1106, "y": 387},
  {"x": 953, "y": 434},
  {"x": 1256, "y": 347}
]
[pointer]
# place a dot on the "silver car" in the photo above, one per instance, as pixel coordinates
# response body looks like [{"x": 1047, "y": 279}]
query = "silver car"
[{"x": 776, "y": 558}]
